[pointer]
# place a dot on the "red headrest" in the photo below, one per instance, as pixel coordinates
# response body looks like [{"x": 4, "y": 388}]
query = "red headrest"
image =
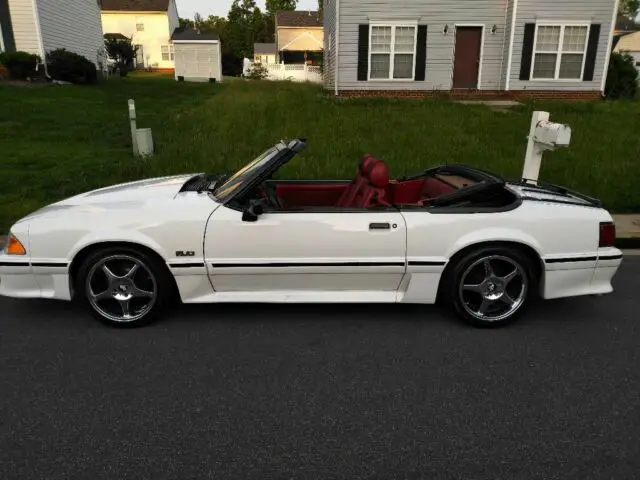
[
  {"x": 366, "y": 163},
  {"x": 379, "y": 176}
]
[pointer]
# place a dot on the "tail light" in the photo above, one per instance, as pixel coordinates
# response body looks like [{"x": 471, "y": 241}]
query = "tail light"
[{"x": 607, "y": 234}]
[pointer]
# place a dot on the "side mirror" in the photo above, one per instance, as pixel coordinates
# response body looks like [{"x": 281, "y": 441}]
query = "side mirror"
[{"x": 253, "y": 211}]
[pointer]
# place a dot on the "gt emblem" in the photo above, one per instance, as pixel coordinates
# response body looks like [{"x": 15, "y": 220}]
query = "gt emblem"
[{"x": 188, "y": 253}]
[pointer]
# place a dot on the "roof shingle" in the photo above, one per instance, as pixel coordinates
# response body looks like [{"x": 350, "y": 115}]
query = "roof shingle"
[
  {"x": 265, "y": 48},
  {"x": 187, "y": 33},
  {"x": 135, "y": 5},
  {"x": 299, "y": 18}
]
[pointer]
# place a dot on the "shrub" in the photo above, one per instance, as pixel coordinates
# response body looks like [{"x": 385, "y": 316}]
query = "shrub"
[
  {"x": 257, "y": 71},
  {"x": 21, "y": 65},
  {"x": 123, "y": 52},
  {"x": 622, "y": 77},
  {"x": 70, "y": 67}
]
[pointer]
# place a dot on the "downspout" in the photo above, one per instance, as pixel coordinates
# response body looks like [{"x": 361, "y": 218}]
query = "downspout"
[
  {"x": 36, "y": 15},
  {"x": 336, "y": 38},
  {"x": 608, "y": 52},
  {"x": 504, "y": 39},
  {"x": 513, "y": 32}
]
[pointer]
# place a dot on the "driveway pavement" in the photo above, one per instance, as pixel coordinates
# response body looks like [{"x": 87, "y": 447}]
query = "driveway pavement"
[{"x": 323, "y": 392}]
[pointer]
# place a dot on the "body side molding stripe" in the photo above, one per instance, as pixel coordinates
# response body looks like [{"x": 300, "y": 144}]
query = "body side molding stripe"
[
  {"x": 307, "y": 264},
  {"x": 571, "y": 259},
  {"x": 186, "y": 265}
]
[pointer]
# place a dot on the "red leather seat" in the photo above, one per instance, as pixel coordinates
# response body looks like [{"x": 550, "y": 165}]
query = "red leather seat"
[
  {"x": 362, "y": 177},
  {"x": 373, "y": 190}
]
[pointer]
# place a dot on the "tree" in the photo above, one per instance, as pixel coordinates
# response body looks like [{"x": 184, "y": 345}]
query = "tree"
[
  {"x": 272, "y": 6},
  {"x": 123, "y": 52},
  {"x": 629, "y": 8}
]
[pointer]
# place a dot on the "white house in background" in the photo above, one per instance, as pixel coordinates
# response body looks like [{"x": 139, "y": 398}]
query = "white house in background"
[
  {"x": 40, "y": 26},
  {"x": 630, "y": 44},
  {"x": 150, "y": 23}
]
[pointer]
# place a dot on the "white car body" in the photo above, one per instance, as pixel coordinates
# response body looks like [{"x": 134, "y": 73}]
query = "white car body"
[{"x": 316, "y": 256}]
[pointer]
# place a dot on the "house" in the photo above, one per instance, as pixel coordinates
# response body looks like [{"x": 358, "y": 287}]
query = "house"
[
  {"x": 150, "y": 23},
  {"x": 198, "y": 56},
  {"x": 265, "y": 53},
  {"x": 483, "y": 48},
  {"x": 299, "y": 36},
  {"x": 624, "y": 26},
  {"x": 630, "y": 44},
  {"x": 40, "y": 26}
]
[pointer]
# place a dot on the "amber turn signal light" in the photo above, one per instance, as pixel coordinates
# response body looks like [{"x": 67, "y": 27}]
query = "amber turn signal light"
[{"x": 14, "y": 247}]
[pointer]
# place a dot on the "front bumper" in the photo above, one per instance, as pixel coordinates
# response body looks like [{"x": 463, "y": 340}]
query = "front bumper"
[{"x": 22, "y": 278}]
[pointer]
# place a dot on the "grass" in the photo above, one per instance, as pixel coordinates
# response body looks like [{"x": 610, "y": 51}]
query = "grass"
[{"x": 57, "y": 141}]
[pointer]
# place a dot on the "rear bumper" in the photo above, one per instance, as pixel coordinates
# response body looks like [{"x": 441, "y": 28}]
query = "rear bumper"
[{"x": 586, "y": 275}]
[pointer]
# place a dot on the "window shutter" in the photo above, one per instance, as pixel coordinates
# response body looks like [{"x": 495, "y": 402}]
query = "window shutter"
[
  {"x": 527, "y": 51},
  {"x": 421, "y": 53},
  {"x": 363, "y": 52},
  {"x": 592, "y": 51}
]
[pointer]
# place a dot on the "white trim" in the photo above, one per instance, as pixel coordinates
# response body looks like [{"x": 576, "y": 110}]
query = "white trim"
[
  {"x": 608, "y": 51},
  {"x": 1, "y": 40},
  {"x": 308, "y": 34},
  {"x": 512, "y": 36},
  {"x": 219, "y": 61},
  {"x": 455, "y": 38},
  {"x": 43, "y": 54},
  {"x": 559, "y": 51},
  {"x": 195, "y": 41},
  {"x": 393, "y": 26},
  {"x": 504, "y": 44},
  {"x": 336, "y": 63}
]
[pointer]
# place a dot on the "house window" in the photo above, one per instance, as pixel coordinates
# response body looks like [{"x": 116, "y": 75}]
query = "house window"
[
  {"x": 167, "y": 53},
  {"x": 392, "y": 51},
  {"x": 559, "y": 52},
  {"x": 139, "y": 25}
]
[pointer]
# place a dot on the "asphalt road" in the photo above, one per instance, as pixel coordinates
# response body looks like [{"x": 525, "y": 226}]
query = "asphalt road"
[{"x": 297, "y": 392}]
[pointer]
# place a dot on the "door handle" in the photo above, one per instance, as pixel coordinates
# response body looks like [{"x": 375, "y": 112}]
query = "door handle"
[{"x": 379, "y": 226}]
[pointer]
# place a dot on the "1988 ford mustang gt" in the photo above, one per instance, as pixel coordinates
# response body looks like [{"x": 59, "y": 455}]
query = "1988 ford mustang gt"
[{"x": 454, "y": 233}]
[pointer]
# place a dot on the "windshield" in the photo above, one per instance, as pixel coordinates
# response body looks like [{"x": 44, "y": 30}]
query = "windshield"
[{"x": 245, "y": 174}]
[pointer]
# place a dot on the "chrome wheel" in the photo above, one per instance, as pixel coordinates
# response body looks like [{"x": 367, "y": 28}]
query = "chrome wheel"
[
  {"x": 121, "y": 288},
  {"x": 493, "y": 288}
]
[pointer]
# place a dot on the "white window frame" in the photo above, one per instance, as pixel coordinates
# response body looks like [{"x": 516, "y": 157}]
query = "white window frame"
[
  {"x": 139, "y": 21},
  {"x": 393, "y": 26},
  {"x": 559, "y": 51},
  {"x": 171, "y": 52}
]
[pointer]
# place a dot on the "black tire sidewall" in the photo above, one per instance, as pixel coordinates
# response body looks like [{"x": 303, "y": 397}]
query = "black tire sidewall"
[
  {"x": 455, "y": 277},
  {"x": 160, "y": 274}
]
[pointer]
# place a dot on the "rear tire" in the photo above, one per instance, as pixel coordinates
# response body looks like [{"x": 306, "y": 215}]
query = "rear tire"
[
  {"x": 124, "y": 287},
  {"x": 490, "y": 287}
]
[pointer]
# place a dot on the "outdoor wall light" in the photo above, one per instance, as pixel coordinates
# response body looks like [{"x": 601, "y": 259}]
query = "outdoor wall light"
[
  {"x": 445, "y": 29},
  {"x": 494, "y": 29}
]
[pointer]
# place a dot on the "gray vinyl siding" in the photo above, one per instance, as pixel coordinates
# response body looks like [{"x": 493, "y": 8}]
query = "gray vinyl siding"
[
  {"x": 587, "y": 11},
  {"x": 174, "y": 19},
  {"x": 330, "y": 60},
  {"x": 25, "y": 31},
  {"x": 435, "y": 14},
  {"x": 71, "y": 24}
]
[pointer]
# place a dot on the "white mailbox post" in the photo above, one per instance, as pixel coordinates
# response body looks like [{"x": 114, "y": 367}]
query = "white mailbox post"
[
  {"x": 543, "y": 135},
  {"x": 141, "y": 138}
]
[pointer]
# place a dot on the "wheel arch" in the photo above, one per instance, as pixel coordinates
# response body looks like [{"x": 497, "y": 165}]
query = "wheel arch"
[
  {"x": 81, "y": 255},
  {"x": 529, "y": 251}
]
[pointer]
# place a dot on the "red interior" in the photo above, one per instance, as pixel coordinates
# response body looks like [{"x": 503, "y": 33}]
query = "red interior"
[{"x": 369, "y": 188}]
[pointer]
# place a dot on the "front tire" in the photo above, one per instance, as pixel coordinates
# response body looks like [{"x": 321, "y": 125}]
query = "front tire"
[
  {"x": 491, "y": 286},
  {"x": 123, "y": 287}
]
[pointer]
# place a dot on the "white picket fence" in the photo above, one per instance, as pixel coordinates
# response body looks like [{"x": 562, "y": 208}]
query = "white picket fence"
[{"x": 294, "y": 72}]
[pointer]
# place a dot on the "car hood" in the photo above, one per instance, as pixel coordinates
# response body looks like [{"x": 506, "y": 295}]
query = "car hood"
[{"x": 122, "y": 196}]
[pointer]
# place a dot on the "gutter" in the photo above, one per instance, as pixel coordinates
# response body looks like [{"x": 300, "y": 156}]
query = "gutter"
[
  {"x": 504, "y": 40},
  {"x": 336, "y": 38},
  {"x": 36, "y": 16},
  {"x": 608, "y": 52},
  {"x": 512, "y": 35}
]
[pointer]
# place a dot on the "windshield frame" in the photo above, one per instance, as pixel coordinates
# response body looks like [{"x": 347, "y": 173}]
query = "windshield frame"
[{"x": 257, "y": 170}]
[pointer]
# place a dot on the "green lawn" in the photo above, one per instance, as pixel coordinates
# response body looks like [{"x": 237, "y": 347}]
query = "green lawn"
[{"x": 56, "y": 141}]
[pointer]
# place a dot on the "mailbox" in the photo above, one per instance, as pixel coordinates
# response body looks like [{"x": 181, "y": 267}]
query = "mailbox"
[{"x": 543, "y": 135}]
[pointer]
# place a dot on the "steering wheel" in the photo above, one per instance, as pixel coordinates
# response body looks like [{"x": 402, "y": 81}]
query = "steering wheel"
[{"x": 270, "y": 194}]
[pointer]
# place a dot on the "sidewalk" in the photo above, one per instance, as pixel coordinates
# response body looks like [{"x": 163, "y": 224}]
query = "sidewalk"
[{"x": 627, "y": 231}]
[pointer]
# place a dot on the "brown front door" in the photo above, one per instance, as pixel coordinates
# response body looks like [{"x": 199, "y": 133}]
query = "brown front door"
[{"x": 466, "y": 62}]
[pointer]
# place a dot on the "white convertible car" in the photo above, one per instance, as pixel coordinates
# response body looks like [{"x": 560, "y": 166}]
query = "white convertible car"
[{"x": 454, "y": 233}]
